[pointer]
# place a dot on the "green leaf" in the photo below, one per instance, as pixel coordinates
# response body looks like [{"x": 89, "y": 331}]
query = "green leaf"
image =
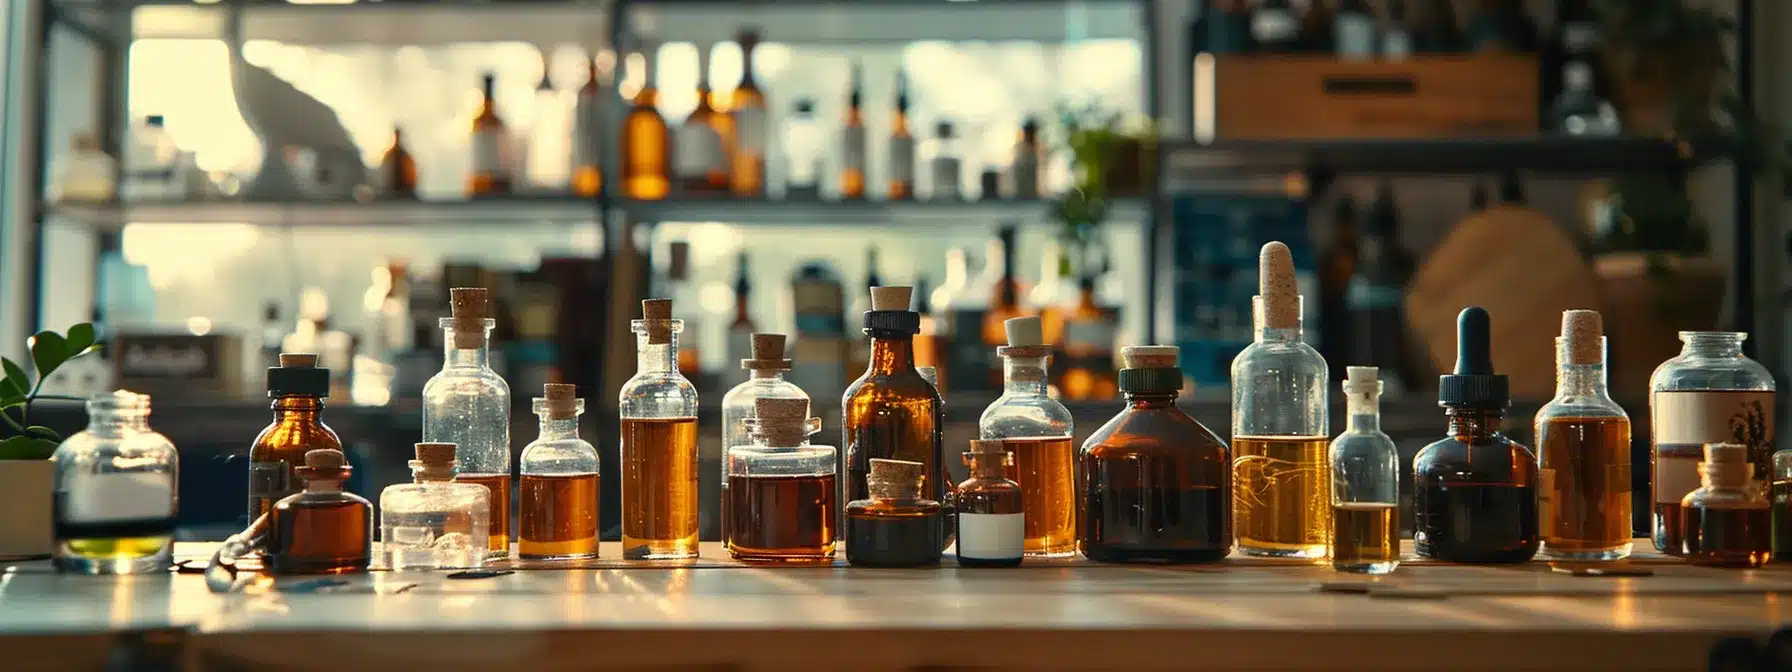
[
  {"x": 26, "y": 448},
  {"x": 80, "y": 338},
  {"x": 48, "y": 351},
  {"x": 43, "y": 432},
  {"x": 8, "y": 391},
  {"x": 15, "y": 374}
]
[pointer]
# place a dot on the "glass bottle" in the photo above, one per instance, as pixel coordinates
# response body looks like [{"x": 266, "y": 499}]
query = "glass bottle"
[
  {"x": 945, "y": 164},
  {"x": 739, "y": 406},
  {"x": 490, "y": 175},
  {"x": 1036, "y": 431},
  {"x": 1709, "y": 393},
  {"x": 1281, "y": 502},
  {"x": 902, "y": 146},
  {"x": 87, "y": 174},
  {"x": 557, "y": 510},
  {"x": 750, "y": 118},
  {"x": 779, "y": 500},
  {"x": 1028, "y": 158},
  {"x": 588, "y": 129},
  {"x": 701, "y": 157},
  {"x": 547, "y": 149},
  {"x": 1727, "y": 521},
  {"x": 468, "y": 404},
  {"x": 1089, "y": 347},
  {"x": 397, "y": 176},
  {"x": 1475, "y": 492},
  {"x": 646, "y": 139},
  {"x": 659, "y": 444},
  {"x": 895, "y": 525},
  {"x": 1004, "y": 297},
  {"x": 321, "y": 530},
  {"x": 1365, "y": 469},
  {"x": 1579, "y": 110},
  {"x": 1782, "y": 506},
  {"x": 433, "y": 522},
  {"x": 989, "y": 509},
  {"x": 298, "y": 388},
  {"x": 891, "y": 412},
  {"x": 803, "y": 152},
  {"x": 1156, "y": 484},
  {"x": 115, "y": 499},
  {"x": 852, "y": 139},
  {"x": 1583, "y": 452}
]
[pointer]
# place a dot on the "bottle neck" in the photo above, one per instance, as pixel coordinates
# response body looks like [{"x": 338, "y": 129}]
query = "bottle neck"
[
  {"x": 1581, "y": 380},
  {"x": 1144, "y": 400},
  {"x": 323, "y": 485},
  {"x": 297, "y": 408},
  {"x": 892, "y": 352},
  {"x": 554, "y": 429},
  {"x": 1024, "y": 376},
  {"x": 118, "y": 423},
  {"x": 656, "y": 357},
  {"x": 1712, "y": 343},
  {"x": 766, "y": 374},
  {"x": 1364, "y": 409},
  {"x": 1473, "y": 424}
]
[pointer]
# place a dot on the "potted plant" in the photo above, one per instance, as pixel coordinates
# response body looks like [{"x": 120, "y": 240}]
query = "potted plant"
[
  {"x": 1106, "y": 160},
  {"x": 27, "y": 475}
]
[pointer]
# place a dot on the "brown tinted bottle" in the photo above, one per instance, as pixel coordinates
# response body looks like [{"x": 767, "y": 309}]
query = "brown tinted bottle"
[
  {"x": 987, "y": 506},
  {"x": 298, "y": 388},
  {"x": 1727, "y": 522},
  {"x": 322, "y": 530},
  {"x": 895, "y": 526},
  {"x": 891, "y": 412}
]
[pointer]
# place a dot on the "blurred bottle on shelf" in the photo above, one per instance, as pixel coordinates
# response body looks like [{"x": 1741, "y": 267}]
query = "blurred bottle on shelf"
[
  {"x": 1055, "y": 295},
  {"x": 1318, "y": 28},
  {"x": 587, "y": 131},
  {"x": 1575, "y": 37},
  {"x": 701, "y": 152},
  {"x": 803, "y": 153},
  {"x": 1436, "y": 30},
  {"x": 818, "y": 300},
  {"x": 388, "y": 312},
  {"x": 928, "y": 352},
  {"x": 1004, "y": 301},
  {"x": 397, "y": 176},
  {"x": 1091, "y": 330},
  {"x": 491, "y": 167},
  {"x": 646, "y": 140},
  {"x": 547, "y": 164},
  {"x": 335, "y": 349},
  {"x": 751, "y": 119},
  {"x": 677, "y": 286},
  {"x": 1377, "y": 295},
  {"x": 902, "y": 146},
  {"x": 1028, "y": 155},
  {"x": 1223, "y": 27},
  {"x": 964, "y": 301},
  {"x": 1337, "y": 265},
  {"x": 1502, "y": 25},
  {"x": 149, "y": 163},
  {"x": 1396, "y": 43},
  {"x": 273, "y": 332},
  {"x": 852, "y": 139},
  {"x": 1354, "y": 30},
  {"x": 1579, "y": 110},
  {"x": 740, "y": 331},
  {"x": 946, "y": 165},
  {"x": 1274, "y": 26},
  {"x": 85, "y": 175}
]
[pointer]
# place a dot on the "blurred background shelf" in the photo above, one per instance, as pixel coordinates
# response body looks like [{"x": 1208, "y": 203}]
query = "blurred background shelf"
[
  {"x": 974, "y": 215},
  {"x": 566, "y": 210},
  {"x": 1187, "y": 160}
]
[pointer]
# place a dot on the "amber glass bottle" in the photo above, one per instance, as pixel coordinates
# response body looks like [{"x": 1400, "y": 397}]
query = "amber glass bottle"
[
  {"x": 491, "y": 169},
  {"x": 646, "y": 141},
  {"x": 988, "y": 507},
  {"x": 852, "y": 139},
  {"x": 322, "y": 530},
  {"x": 703, "y": 150},
  {"x": 1727, "y": 522},
  {"x": 894, "y": 525},
  {"x": 1088, "y": 348},
  {"x": 298, "y": 388},
  {"x": 747, "y": 108},
  {"x": 891, "y": 412},
  {"x": 397, "y": 176},
  {"x": 587, "y": 173},
  {"x": 1156, "y": 485},
  {"x": 902, "y": 146}
]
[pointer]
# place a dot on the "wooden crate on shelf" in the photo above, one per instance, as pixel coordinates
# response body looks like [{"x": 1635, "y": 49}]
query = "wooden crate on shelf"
[{"x": 1296, "y": 96}]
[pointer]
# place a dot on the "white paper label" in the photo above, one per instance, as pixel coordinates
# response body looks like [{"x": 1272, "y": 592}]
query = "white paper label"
[
  {"x": 991, "y": 536},
  {"x": 104, "y": 498},
  {"x": 749, "y": 129},
  {"x": 902, "y": 159},
  {"x": 1682, "y": 422},
  {"x": 853, "y": 151},
  {"x": 699, "y": 151},
  {"x": 488, "y": 152}
]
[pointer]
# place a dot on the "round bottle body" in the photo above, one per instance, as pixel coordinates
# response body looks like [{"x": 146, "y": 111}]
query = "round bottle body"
[
  {"x": 1280, "y": 432},
  {"x": 1709, "y": 393},
  {"x": 1156, "y": 487},
  {"x": 434, "y": 525},
  {"x": 1036, "y": 431},
  {"x": 115, "y": 492},
  {"x": 738, "y": 407},
  {"x": 1475, "y": 498}
]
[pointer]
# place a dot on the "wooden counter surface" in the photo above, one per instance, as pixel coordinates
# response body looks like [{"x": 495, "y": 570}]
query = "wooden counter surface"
[{"x": 719, "y": 615}]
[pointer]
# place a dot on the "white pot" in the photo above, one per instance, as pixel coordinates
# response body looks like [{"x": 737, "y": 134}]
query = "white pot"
[{"x": 25, "y": 492}]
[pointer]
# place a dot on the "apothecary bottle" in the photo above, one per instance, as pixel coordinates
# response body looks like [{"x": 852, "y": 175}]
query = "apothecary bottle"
[
  {"x": 1156, "y": 485},
  {"x": 468, "y": 404},
  {"x": 990, "y": 510},
  {"x": 1281, "y": 502},
  {"x": 766, "y": 370},
  {"x": 891, "y": 412},
  {"x": 1036, "y": 431},
  {"x": 1710, "y": 393},
  {"x": 298, "y": 388},
  {"x": 1727, "y": 521},
  {"x": 1583, "y": 452},
  {"x": 434, "y": 522},
  {"x": 659, "y": 444},
  {"x": 557, "y": 508},
  {"x": 321, "y": 530},
  {"x": 115, "y": 495},
  {"x": 896, "y": 525},
  {"x": 1365, "y": 468},
  {"x": 781, "y": 488}
]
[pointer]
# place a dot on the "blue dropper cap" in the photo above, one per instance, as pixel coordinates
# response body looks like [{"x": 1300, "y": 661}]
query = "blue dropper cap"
[{"x": 1474, "y": 383}]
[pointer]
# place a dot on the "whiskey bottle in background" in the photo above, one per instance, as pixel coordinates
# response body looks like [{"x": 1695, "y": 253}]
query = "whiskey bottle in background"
[
  {"x": 945, "y": 164},
  {"x": 751, "y": 125},
  {"x": 298, "y": 388},
  {"x": 1375, "y": 300},
  {"x": 988, "y": 507},
  {"x": 1583, "y": 452},
  {"x": 1036, "y": 430},
  {"x": 963, "y": 302},
  {"x": 587, "y": 133},
  {"x": 321, "y": 530},
  {"x": 397, "y": 174},
  {"x": 1365, "y": 468},
  {"x": 929, "y": 350},
  {"x": 557, "y": 511},
  {"x": 659, "y": 444},
  {"x": 114, "y": 495},
  {"x": 701, "y": 156},
  {"x": 779, "y": 499},
  {"x": 646, "y": 140},
  {"x": 1710, "y": 393},
  {"x": 433, "y": 522},
  {"x": 468, "y": 404},
  {"x": 890, "y": 412},
  {"x": 1726, "y": 522},
  {"x": 902, "y": 146},
  {"x": 852, "y": 139},
  {"x": 895, "y": 524},
  {"x": 766, "y": 366},
  {"x": 491, "y": 167}
]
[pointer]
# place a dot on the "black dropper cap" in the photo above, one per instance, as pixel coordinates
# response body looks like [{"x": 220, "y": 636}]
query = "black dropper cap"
[{"x": 1473, "y": 384}]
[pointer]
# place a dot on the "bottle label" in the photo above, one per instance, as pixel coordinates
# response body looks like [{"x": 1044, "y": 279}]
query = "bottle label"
[
  {"x": 902, "y": 159},
  {"x": 112, "y": 497},
  {"x": 269, "y": 482},
  {"x": 698, "y": 151},
  {"x": 853, "y": 153},
  {"x": 991, "y": 536},
  {"x": 488, "y": 152},
  {"x": 750, "y": 131},
  {"x": 1681, "y": 423}
]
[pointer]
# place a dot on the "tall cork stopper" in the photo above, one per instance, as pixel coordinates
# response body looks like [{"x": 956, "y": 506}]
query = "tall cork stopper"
[
  {"x": 987, "y": 458},
  {"x": 1276, "y": 288},
  {"x": 435, "y": 462},
  {"x": 768, "y": 354},
  {"x": 781, "y": 421},
  {"x": 560, "y": 400},
  {"x": 891, "y": 298},
  {"x": 895, "y": 479},
  {"x": 1362, "y": 389},
  {"x": 1149, "y": 356},
  {"x": 469, "y": 308},
  {"x": 298, "y": 360},
  {"x": 656, "y": 319},
  {"x": 1026, "y": 350},
  {"x": 1726, "y": 464},
  {"x": 1583, "y": 332}
]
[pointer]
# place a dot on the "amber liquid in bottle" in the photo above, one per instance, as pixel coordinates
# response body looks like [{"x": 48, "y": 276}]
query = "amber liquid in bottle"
[
  {"x": 1584, "y": 488},
  {"x": 281, "y": 448},
  {"x": 567, "y": 522},
  {"x": 659, "y": 521},
  {"x": 892, "y": 413},
  {"x": 490, "y": 176},
  {"x": 322, "y": 538},
  {"x": 902, "y": 147},
  {"x": 749, "y": 121},
  {"x": 852, "y": 174},
  {"x": 499, "y": 484},
  {"x": 1155, "y": 486},
  {"x": 587, "y": 175},
  {"x": 1088, "y": 350},
  {"x": 1294, "y": 516},
  {"x": 1687, "y": 420},
  {"x": 1365, "y": 533},
  {"x": 1045, "y": 469},
  {"x": 398, "y": 169},
  {"x": 1727, "y": 537},
  {"x": 782, "y": 518},
  {"x": 646, "y": 143}
]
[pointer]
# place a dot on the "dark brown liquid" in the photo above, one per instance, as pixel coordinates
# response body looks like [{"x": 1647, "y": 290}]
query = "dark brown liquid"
[
  {"x": 558, "y": 516},
  {"x": 1782, "y": 520},
  {"x": 1723, "y": 537},
  {"x": 499, "y": 484},
  {"x": 1156, "y": 486},
  {"x": 904, "y": 535},
  {"x": 1584, "y": 489},
  {"x": 659, "y": 488},
  {"x": 321, "y": 536},
  {"x": 782, "y": 518},
  {"x": 1475, "y": 522}
]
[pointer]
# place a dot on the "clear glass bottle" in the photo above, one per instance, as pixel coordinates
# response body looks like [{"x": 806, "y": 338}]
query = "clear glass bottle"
[
  {"x": 659, "y": 444},
  {"x": 946, "y": 164},
  {"x": 298, "y": 387},
  {"x": 1583, "y": 452},
  {"x": 895, "y": 525},
  {"x": 321, "y": 530},
  {"x": 468, "y": 404},
  {"x": 1727, "y": 521},
  {"x": 1281, "y": 502},
  {"x": 780, "y": 496},
  {"x": 115, "y": 493},
  {"x": 988, "y": 507},
  {"x": 891, "y": 412},
  {"x": 1475, "y": 491},
  {"x": 804, "y": 147},
  {"x": 557, "y": 509},
  {"x": 767, "y": 367},
  {"x": 1365, "y": 483},
  {"x": 1156, "y": 484},
  {"x": 433, "y": 522},
  {"x": 1036, "y": 431},
  {"x": 1579, "y": 110},
  {"x": 1710, "y": 393}
]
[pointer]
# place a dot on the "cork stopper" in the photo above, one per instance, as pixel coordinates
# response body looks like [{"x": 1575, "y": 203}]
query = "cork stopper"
[
  {"x": 435, "y": 462},
  {"x": 324, "y": 469},
  {"x": 656, "y": 320},
  {"x": 781, "y": 421},
  {"x": 1362, "y": 389},
  {"x": 468, "y": 309},
  {"x": 1276, "y": 289},
  {"x": 324, "y": 458},
  {"x": 1726, "y": 464},
  {"x": 1025, "y": 339},
  {"x": 560, "y": 400},
  {"x": 1149, "y": 356},
  {"x": 768, "y": 354},
  {"x": 1583, "y": 333},
  {"x": 891, "y": 298},
  {"x": 298, "y": 360},
  {"x": 987, "y": 458},
  {"x": 895, "y": 479},
  {"x": 1361, "y": 375}
]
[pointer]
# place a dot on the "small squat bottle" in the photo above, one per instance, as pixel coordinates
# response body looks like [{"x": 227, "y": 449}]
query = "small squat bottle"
[
  {"x": 434, "y": 522},
  {"x": 1475, "y": 492},
  {"x": 557, "y": 509},
  {"x": 767, "y": 368},
  {"x": 468, "y": 404},
  {"x": 1727, "y": 521},
  {"x": 896, "y": 526},
  {"x": 781, "y": 488},
  {"x": 1036, "y": 431},
  {"x": 1782, "y": 506},
  {"x": 321, "y": 530},
  {"x": 114, "y": 498},
  {"x": 1365, "y": 483},
  {"x": 659, "y": 444},
  {"x": 988, "y": 506},
  {"x": 1583, "y": 452},
  {"x": 298, "y": 387}
]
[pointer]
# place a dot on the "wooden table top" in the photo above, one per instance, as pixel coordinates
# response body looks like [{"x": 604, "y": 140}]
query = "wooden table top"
[{"x": 1069, "y": 614}]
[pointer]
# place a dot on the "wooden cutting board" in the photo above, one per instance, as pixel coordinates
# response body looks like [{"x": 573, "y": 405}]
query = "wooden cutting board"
[{"x": 1519, "y": 265}]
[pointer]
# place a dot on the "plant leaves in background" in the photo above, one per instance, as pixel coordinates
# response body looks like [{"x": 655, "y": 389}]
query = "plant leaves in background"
[
  {"x": 15, "y": 374},
  {"x": 48, "y": 351},
  {"x": 43, "y": 432},
  {"x": 26, "y": 448},
  {"x": 10, "y": 393},
  {"x": 80, "y": 338}
]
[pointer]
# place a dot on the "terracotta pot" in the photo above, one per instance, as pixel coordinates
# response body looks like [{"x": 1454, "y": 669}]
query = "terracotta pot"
[
  {"x": 25, "y": 487},
  {"x": 1645, "y": 311}
]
